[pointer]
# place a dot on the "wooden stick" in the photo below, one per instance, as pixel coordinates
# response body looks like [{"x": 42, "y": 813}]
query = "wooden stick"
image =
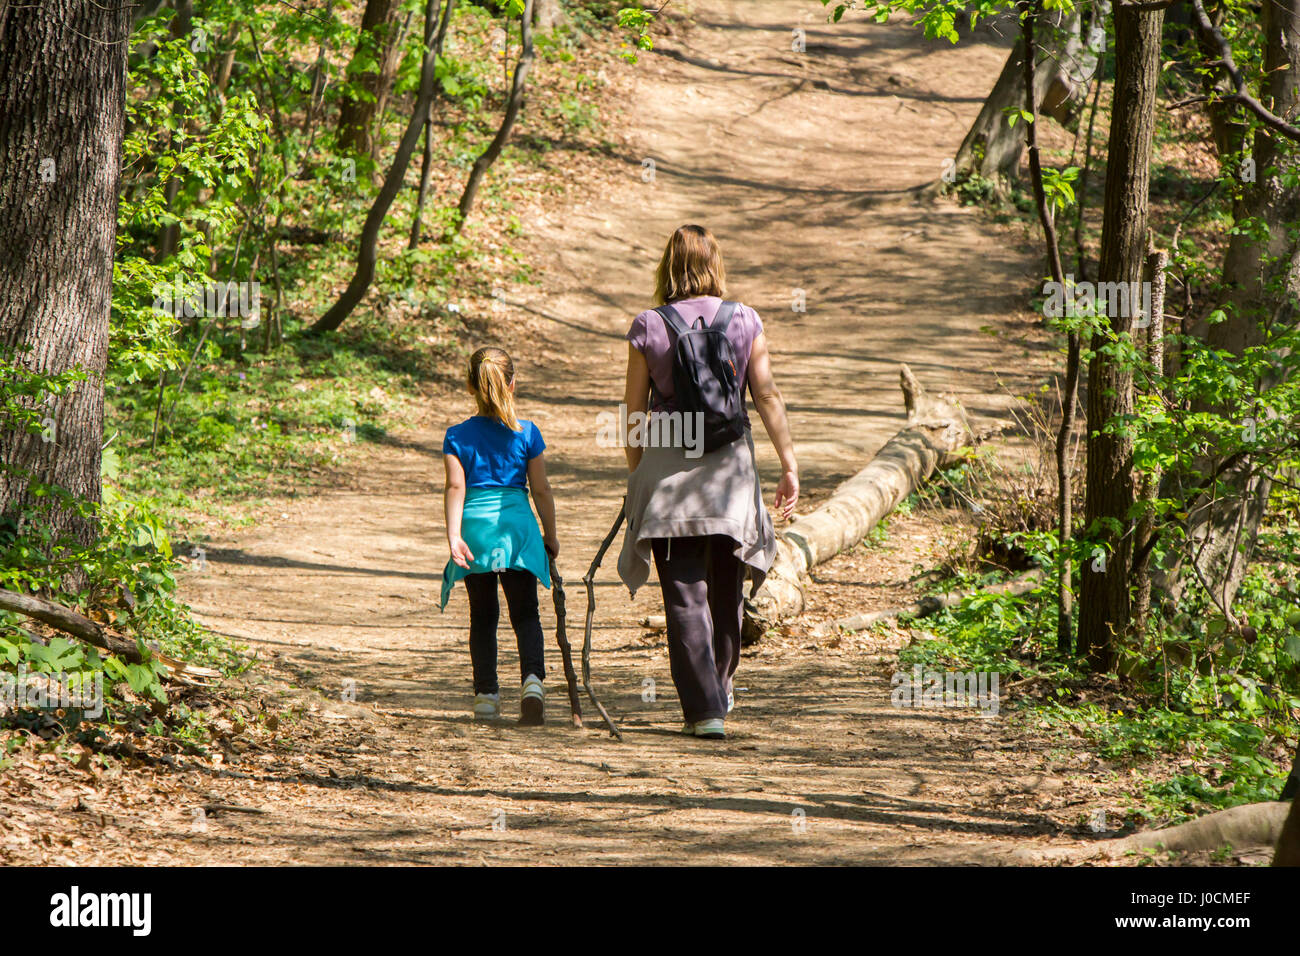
[
  {"x": 589, "y": 579},
  {"x": 562, "y": 638}
]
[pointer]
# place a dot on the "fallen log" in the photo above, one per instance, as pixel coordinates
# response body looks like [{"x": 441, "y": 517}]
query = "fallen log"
[
  {"x": 84, "y": 629},
  {"x": 934, "y": 603},
  {"x": 936, "y": 428}
]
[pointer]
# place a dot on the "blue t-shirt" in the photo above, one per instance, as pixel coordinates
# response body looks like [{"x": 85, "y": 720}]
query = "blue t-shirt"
[{"x": 493, "y": 456}]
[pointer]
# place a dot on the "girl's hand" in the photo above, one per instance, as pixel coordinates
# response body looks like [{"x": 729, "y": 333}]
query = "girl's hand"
[
  {"x": 460, "y": 552},
  {"x": 787, "y": 494},
  {"x": 552, "y": 546}
]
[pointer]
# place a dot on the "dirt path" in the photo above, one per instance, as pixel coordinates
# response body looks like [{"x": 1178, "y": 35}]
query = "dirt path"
[{"x": 802, "y": 163}]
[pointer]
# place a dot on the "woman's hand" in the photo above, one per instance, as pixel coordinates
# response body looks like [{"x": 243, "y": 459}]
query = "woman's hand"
[
  {"x": 460, "y": 552},
  {"x": 552, "y": 544},
  {"x": 787, "y": 494},
  {"x": 771, "y": 408}
]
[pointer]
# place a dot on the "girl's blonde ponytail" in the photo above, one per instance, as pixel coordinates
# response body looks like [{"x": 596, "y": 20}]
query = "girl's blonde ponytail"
[{"x": 491, "y": 371}]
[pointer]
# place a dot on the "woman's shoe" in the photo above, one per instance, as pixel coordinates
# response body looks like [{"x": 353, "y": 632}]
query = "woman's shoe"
[
  {"x": 532, "y": 702},
  {"x": 711, "y": 729},
  {"x": 487, "y": 706}
]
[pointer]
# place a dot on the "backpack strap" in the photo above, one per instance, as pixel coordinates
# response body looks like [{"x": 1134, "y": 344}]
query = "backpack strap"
[
  {"x": 723, "y": 317},
  {"x": 672, "y": 319}
]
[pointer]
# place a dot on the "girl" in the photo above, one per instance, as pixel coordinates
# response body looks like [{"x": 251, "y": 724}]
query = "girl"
[
  {"x": 701, "y": 517},
  {"x": 491, "y": 461}
]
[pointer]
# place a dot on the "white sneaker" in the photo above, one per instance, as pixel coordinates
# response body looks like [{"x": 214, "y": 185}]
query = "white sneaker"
[
  {"x": 731, "y": 701},
  {"x": 688, "y": 729},
  {"x": 711, "y": 729},
  {"x": 487, "y": 706},
  {"x": 532, "y": 702}
]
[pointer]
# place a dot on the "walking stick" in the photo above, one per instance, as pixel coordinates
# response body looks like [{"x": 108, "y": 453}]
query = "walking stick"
[
  {"x": 588, "y": 580},
  {"x": 566, "y": 652}
]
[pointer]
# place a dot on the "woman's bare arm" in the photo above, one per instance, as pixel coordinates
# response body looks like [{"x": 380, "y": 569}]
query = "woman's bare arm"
[
  {"x": 636, "y": 398},
  {"x": 771, "y": 408}
]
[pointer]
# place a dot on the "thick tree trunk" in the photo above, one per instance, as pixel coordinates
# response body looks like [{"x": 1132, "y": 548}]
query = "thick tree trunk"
[
  {"x": 935, "y": 428},
  {"x": 992, "y": 147},
  {"x": 1104, "y": 605},
  {"x": 377, "y": 42},
  {"x": 1288, "y": 844},
  {"x": 1248, "y": 826},
  {"x": 62, "y": 109},
  {"x": 547, "y": 15},
  {"x": 1261, "y": 279}
]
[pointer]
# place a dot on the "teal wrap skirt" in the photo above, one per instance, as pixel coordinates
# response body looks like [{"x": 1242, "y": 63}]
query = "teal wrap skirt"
[{"x": 499, "y": 526}]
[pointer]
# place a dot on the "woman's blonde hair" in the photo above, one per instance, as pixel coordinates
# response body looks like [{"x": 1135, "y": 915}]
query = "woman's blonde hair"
[
  {"x": 491, "y": 370},
  {"x": 691, "y": 266}
]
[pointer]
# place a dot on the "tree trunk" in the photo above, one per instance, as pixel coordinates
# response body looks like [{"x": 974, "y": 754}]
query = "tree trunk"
[
  {"x": 63, "y": 90},
  {"x": 170, "y": 236},
  {"x": 1064, "y": 478},
  {"x": 992, "y": 146},
  {"x": 376, "y": 42},
  {"x": 1104, "y": 605},
  {"x": 547, "y": 15},
  {"x": 1146, "y": 524},
  {"x": 1261, "y": 279},
  {"x": 513, "y": 105},
  {"x": 1225, "y": 118},
  {"x": 426, "y": 161},
  {"x": 1288, "y": 844},
  {"x": 367, "y": 252}
]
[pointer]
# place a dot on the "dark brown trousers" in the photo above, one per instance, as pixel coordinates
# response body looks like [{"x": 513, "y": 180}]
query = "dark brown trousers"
[{"x": 703, "y": 587}]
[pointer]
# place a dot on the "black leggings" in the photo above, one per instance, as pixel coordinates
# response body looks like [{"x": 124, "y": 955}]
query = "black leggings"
[{"x": 484, "y": 610}]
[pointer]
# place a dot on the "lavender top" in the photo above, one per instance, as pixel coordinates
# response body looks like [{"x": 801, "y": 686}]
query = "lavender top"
[{"x": 649, "y": 335}]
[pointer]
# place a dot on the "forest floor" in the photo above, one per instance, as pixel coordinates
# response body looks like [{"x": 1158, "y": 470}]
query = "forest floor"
[{"x": 804, "y": 164}]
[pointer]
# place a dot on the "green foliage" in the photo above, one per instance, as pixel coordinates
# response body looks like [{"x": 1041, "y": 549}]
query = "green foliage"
[
  {"x": 24, "y": 394},
  {"x": 1227, "y": 718},
  {"x": 938, "y": 18},
  {"x": 637, "y": 22}
]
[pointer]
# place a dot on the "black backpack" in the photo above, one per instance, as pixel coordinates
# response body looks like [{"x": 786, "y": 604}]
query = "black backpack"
[{"x": 705, "y": 378}]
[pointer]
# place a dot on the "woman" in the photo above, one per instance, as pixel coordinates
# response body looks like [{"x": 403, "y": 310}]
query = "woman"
[{"x": 700, "y": 515}]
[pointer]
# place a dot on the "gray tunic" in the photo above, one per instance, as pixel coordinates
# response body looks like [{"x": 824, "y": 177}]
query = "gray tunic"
[{"x": 672, "y": 496}]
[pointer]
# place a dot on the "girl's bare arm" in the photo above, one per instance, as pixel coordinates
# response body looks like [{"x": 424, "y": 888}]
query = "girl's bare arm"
[
  {"x": 453, "y": 505},
  {"x": 545, "y": 501}
]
